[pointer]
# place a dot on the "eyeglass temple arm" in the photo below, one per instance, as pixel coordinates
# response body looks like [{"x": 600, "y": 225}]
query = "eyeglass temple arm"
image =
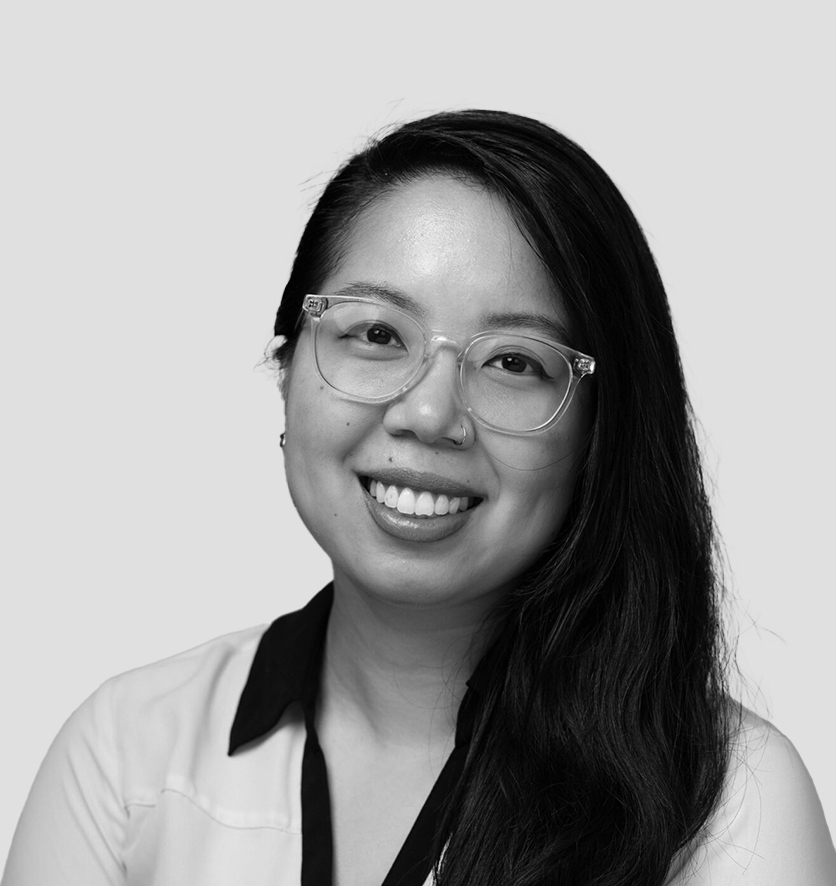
[
  {"x": 315, "y": 305},
  {"x": 583, "y": 365}
]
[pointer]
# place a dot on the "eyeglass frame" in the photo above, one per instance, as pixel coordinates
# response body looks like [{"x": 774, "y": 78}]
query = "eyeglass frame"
[{"x": 580, "y": 364}]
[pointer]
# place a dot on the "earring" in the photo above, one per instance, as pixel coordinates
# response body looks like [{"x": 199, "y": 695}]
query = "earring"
[
  {"x": 464, "y": 437},
  {"x": 282, "y": 440}
]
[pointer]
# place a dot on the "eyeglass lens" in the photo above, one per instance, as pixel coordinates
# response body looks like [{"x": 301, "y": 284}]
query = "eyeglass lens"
[{"x": 371, "y": 352}]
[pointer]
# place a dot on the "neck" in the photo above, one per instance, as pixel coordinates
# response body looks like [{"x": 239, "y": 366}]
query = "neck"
[{"x": 398, "y": 672}]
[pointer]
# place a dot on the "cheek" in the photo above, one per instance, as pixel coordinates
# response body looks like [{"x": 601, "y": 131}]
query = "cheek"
[
  {"x": 305, "y": 434},
  {"x": 322, "y": 431},
  {"x": 309, "y": 459},
  {"x": 306, "y": 399},
  {"x": 540, "y": 474},
  {"x": 549, "y": 494},
  {"x": 539, "y": 462}
]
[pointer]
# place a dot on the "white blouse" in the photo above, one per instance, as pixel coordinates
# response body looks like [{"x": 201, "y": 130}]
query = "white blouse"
[{"x": 138, "y": 790}]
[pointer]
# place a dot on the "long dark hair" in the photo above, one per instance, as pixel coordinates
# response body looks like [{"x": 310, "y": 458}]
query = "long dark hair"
[{"x": 601, "y": 744}]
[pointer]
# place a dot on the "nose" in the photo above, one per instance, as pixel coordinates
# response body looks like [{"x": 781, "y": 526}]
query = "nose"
[{"x": 432, "y": 409}]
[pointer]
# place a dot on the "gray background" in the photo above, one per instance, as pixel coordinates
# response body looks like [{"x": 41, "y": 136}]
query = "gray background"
[{"x": 158, "y": 160}]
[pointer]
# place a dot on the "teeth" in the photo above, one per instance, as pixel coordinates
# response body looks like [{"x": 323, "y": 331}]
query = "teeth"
[
  {"x": 422, "y": 504},
  {"x": 425, "y": 506},
  {"x": 406, "y": 502}
]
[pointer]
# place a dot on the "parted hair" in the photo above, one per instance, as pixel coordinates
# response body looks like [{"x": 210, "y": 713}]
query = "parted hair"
[{"x": 601, "y": 743}]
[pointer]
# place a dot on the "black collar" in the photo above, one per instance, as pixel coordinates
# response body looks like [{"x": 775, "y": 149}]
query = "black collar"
[{"x": 286, "y": 669}]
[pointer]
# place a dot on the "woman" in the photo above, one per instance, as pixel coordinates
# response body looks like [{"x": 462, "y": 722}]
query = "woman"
[{"x": 517, "y": 675}]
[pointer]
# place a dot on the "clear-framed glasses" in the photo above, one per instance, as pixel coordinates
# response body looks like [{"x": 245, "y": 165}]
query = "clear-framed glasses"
[{"x": 373, "y": 352}]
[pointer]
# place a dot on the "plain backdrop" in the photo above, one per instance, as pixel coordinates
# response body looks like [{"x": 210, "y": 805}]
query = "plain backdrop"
[{"x": 158, "y": 161}]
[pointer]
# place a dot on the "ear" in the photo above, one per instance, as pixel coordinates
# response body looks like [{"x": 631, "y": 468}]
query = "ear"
[
  {"x": 283, "y": 374},
  {"x": 277, "y": 362}
]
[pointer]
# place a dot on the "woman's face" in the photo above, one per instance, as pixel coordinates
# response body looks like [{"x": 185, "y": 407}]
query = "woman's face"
[{"x": 453, "y": 251}]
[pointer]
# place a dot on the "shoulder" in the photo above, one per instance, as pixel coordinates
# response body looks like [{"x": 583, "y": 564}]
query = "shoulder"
[
  {"x": 770, "y": 826},
  {"x": 141, "y": 721},
  {"x": 187, "y": 678},
  {"x": 139, "y": 735}
]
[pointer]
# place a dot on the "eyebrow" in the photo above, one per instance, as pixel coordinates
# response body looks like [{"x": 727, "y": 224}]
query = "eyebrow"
[
  {"x": 391, "y": 296},
  {"x": 541, "y": 324},
  {"x": 536, "y": 323}
]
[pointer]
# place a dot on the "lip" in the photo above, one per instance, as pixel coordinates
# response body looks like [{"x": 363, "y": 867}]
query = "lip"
[{"x": 410, "y": 528}]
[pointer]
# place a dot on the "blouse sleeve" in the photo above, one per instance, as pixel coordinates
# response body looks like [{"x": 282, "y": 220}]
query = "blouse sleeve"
[
  {"x": 73, "y": 824},
  {"x": 770, "y": 829}
]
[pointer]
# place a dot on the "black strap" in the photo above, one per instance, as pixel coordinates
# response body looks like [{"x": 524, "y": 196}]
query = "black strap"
[
  {"x": 317, "y": 837},
  {"x": 415, "y": 860}
]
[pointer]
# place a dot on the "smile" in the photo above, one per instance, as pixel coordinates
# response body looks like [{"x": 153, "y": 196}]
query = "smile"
[
  {"x": 414, "y": 513},
  {"x": 421, "y": 503},
  {"x": 416, "y": 502}
]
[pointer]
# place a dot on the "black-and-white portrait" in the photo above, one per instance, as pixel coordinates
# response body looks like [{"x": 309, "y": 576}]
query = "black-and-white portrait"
[{"x": 417, "y": 444}]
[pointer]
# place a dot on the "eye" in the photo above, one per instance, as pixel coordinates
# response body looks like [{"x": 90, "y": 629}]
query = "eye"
[
  {"x": 373, "y": 340},
  {"x": 380, "y": 335},
  {"x": 519, "y": 364}
]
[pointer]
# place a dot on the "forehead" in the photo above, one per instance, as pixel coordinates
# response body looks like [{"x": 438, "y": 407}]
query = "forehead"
[{"x": 453, "y": 248}]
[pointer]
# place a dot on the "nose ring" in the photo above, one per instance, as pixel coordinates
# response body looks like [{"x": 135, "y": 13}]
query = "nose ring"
[{"x": 464, "y": 437}]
